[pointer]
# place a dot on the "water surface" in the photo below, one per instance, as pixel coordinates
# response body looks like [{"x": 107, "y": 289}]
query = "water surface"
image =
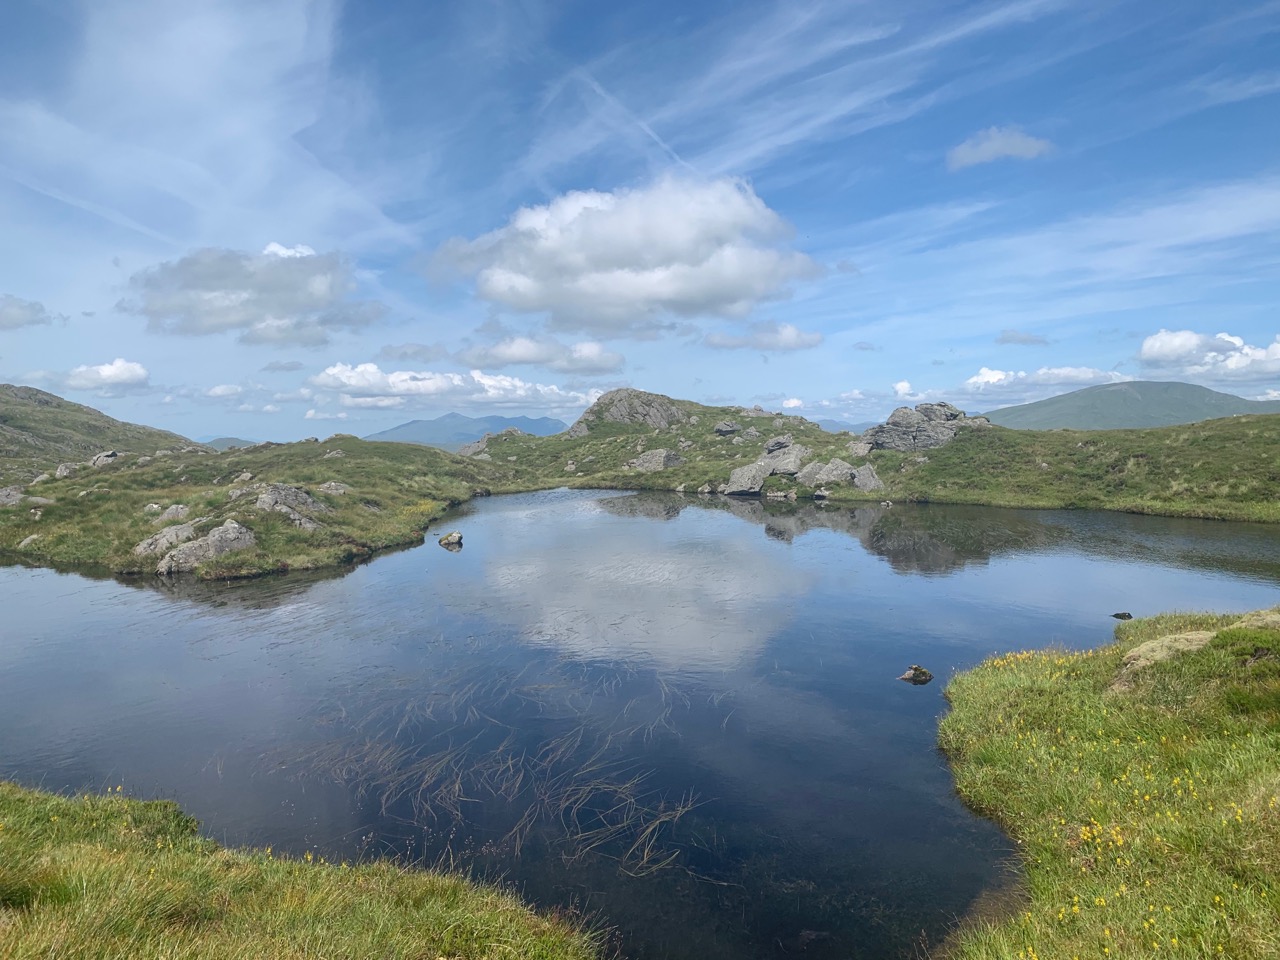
[{"x": 677, "y": 714}]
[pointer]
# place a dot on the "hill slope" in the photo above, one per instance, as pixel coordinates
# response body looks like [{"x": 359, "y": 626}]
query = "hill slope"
[
  {"x": 1117, "y": 406},
  {"x": 451, "y": 431},
  {"x": 39, "y": 430}
]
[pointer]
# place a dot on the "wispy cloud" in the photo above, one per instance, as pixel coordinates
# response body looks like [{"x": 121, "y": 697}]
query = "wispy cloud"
[
  {"x": 16, "y": 312},
  {"x": 767, "y": 335}
]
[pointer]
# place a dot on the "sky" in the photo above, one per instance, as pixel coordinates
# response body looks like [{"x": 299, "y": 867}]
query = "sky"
[{"x": 242, "y": 217}]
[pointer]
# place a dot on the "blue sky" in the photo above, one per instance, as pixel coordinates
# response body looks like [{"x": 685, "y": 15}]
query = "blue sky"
[{"x": 241, "y": 217}]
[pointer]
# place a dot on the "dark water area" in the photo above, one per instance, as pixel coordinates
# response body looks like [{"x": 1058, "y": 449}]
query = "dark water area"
[{"x": 677, "y": 715}]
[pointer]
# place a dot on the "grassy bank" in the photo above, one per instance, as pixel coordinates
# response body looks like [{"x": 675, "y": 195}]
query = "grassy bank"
[
  {"x": 109, "y": 877},
  {"x": 392, "y": 492},
  {"x": 1147, "y": 811}
]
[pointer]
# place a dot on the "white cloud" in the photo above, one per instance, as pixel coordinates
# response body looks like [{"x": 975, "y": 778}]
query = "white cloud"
[
  {"x": 314, "y": 414},
  {"x": 627, "y": 262},
  {"x": 270, "y": 408},
  {"x": 996, "y": 143},
  {"x": 476, "y": 388},
  {"x": 768, "y": 335},
  {"x": 16, "y": 312},
  {"x": 421, "y": 352},
  {"x": 902, "y": 388},
  {"x": 274, "y": 249},
  {"x": 792, "y": 403},
  {"x": 587, "y": 357},
  {"x": 224, "y": 390},
  {"x": 988, "y": 379},
  {"x": 109, "y": 379},
  {"x": 855, "y": 394},
  {"x": 1222, "y": 356},
  {"x": 292, "y": 297},
  {"x": 283, "y": 366}
]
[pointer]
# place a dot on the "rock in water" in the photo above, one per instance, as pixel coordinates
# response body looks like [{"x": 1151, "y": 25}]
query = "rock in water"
[
  {"x": 917, "y": 675},
  {"x": 1123, "y": 615},
  {"x": 451, "y": 541}
]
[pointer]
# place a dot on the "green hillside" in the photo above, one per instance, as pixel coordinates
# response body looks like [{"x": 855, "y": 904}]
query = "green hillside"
[
  {"x": 1141, "y": 403},
  {"x": 39, "y": 430}
]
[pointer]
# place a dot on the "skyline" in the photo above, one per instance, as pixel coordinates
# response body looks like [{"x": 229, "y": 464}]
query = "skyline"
[{"x": 242, "y": 218}]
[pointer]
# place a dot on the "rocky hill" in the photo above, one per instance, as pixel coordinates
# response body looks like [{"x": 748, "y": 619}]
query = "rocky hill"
[
  {"x": 39, "y": 430},
  {"x": 454, "y": 430}
]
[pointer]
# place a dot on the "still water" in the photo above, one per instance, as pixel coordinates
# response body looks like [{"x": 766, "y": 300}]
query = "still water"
[{"x": 676, "y": 715}]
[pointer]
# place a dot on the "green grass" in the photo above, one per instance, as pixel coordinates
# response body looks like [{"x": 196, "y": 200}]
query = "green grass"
[
  {"x": 110, "y": 877},
  {"x": 395, "y": 491},
  {"x": 1149, "y": 819}
]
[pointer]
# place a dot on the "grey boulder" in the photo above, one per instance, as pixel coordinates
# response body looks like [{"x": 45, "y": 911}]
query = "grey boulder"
[
  {"x": 166, "y": 539},
  {"x": 229, "y": 537},
  {"x": 179, "y": 511},
  {"x": 651, "y": 461},
  {"x": 748, "y": 480}
]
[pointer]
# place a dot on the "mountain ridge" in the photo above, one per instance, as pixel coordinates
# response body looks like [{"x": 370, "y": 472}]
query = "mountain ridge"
[
  {"x": 1133, "y": 404},
  {"x": 452, "y": 430}
]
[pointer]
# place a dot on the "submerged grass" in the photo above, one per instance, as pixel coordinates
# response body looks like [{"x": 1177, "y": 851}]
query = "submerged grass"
[
  {"x": 110, "y": 877},
  {"x": 1147, "y": 812}
]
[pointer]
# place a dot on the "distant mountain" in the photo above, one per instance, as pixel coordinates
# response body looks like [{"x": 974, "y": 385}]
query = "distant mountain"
[
  {"x": 1140, "y": 403},
  {"x": 452, "y": 430},
  {"x": 229, "y": 443},
  {"x": 39, "y": 430},
  {"x": 835, "y": 426}
]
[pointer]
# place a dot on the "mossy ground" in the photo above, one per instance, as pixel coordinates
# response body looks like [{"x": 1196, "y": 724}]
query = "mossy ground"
[
  {"x": 1148, "y": 819},
  {"x": 109, "y": 877}
]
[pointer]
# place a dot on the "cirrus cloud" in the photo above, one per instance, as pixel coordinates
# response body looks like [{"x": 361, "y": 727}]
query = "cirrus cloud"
[
  {"x": 284, "y": 295},
  {"x": 630, "y": 261}
]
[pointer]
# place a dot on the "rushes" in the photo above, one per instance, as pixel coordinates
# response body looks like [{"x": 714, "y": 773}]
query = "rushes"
[{"x": 513, "y": 752}]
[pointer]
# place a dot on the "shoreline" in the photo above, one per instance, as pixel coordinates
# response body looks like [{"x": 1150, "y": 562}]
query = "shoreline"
[{"x": 1138, "y": 781}]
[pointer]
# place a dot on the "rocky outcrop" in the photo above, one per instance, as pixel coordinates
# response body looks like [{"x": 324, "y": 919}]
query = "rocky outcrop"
[
  {"x": 818, "y": 474},
  {"x": 10, "y": 496},
  {"x": 858, "y": 448},
  {"x": 334, "y": 488},
  {"x": 294, "y": 503},
  {"x": 651, "y": 461},
  {"x": 165, "y": 539},
  {"x": 179, "y": 511},
  {"x": 786, "y": 461},
  {"x": 1154, "y": 651},
  {"x": 229, "y": 537},
  {"x": 630, "y": 406},
  {"x": 104, "y": 458},
  {"x": 726, "y": 427},
  {"x": 928, "y": 426},
  {"x": 778, "y": 443},
  {"x": 65, "y": 470}
]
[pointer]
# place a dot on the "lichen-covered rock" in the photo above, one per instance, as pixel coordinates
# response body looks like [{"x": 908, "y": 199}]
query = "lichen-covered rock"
[
  {"x": 751, "y": 433},
  {"x": 243, "y": 478},
  {"x": 179, "y": 511},
  {"x": 786, "y": 461},
  {"x": 11, "y": 496},
  {"x": 333, "y": 487},
  {"x": 229, "y": 537},
  {"x": 726, "y": 427},
  {"x": 777, "y": 443},
  {"x": 332, "y": 454},
  {"x": 865, "y": 478},
  {"x": 928, "y": 426},
  {"x": 858, "y": 448},
  {"x": 167, "y": 538},
  {"x": 630, "y": 406},
  {"x": 294, "y": 503},
  {"x": 651, "y": 461},
  {"x": 65, "y": 470},
  {"x": 748, "y": 480},
  {"x": 152, "y": 508},
  {"x": 808, "y": 475},
  {"x": 104, "y": 458}
]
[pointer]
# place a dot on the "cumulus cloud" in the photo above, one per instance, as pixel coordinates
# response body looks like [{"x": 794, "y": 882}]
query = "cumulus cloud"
[
  {"x": 902, "y": 388},
  {"x": 792, "y": 403},
  {"x": 367, "y": 381},
  {"x": 587, "y": 358},
  {"x": 766, "y": 336},
  {"x": 224, "y": 390},
  {"x": 286, "y": 296},
  {"x": 988, "y": 379},
  {"x": 1021, "y": 339},
  {"x": 109, "y": 379},
  {"x": 16, "y": 312},
  {"x": 1215, "y": 358},
  {"x": 314, "y": 414},
  {"x": 628, "y": 262},
  {"x": 996, "y": 143}
]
